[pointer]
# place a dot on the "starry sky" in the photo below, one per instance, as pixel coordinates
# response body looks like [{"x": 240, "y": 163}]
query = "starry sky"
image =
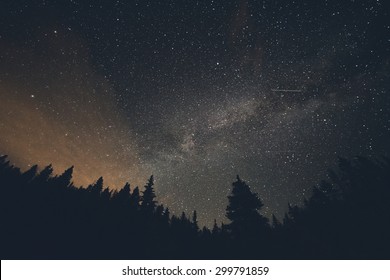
[{"x": 195, "y": 92}]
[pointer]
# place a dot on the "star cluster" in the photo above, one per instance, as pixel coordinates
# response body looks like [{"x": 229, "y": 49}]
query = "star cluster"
[{"x": 195, "y": 92}]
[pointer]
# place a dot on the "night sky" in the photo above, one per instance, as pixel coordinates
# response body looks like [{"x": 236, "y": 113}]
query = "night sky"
[{"x": 195, "y": 92}]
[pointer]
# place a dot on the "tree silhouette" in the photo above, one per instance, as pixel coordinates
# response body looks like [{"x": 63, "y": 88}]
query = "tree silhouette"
[
  {"x": 216, "y": 230},
  {"x": 65, "y": 179},
  {"x": 243, "y": 212},
  {"x": 29, "y": 175},
  {"x": 148, "y": 204},
  {"x": 97, "y": 187},
  {"x": 45, "y": 217},
  {"x": 195, "y": 221},
  {"x": 135, "y": 198},
  {"x": 123, "y": 197},
  {"x": 42, "y": 178},
  {"x": 347, "y": 216},
  {"x": 166, "y": 214}
]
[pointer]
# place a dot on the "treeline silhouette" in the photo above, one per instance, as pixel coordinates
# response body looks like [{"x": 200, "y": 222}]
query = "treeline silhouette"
[{"x": 46, "y": 217}]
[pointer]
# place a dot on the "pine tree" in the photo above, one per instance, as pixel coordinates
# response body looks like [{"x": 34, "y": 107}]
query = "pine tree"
[
  {"x": 216, "y": 230},
  {"x": 97, "y": 187},
  {"x": 43, "y": 177},
  {"x": 4, "y": 162},
  {"x": 243, "y": 211},
  {"x": 125, "y": 191},
  {"x": 183, "y": 217},
  {"x": 64, "y": 180},
  {"x": 159, "y": 210},
  {"x": 123, "y": 197},
  {"x": 166, "y": 214},
  {"x": 30, "y": 174},
  {"x": 106, "y": 195},
  {"x": 195, "y": 221},
  {"x": 135, "y": 198},
  {"x": 148, "y": 203}
]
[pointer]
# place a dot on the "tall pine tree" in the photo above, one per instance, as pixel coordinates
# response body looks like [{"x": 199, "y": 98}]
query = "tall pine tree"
[
  {"x": 243, "y": 212},
  {"x": 148, "y": 204}
]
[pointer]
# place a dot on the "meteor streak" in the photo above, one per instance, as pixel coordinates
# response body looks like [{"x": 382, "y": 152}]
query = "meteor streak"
[{"x": 286, "y": 90}]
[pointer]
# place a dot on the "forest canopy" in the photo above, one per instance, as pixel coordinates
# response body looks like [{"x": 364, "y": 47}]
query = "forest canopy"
[{"x": 45, "y": 216}]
